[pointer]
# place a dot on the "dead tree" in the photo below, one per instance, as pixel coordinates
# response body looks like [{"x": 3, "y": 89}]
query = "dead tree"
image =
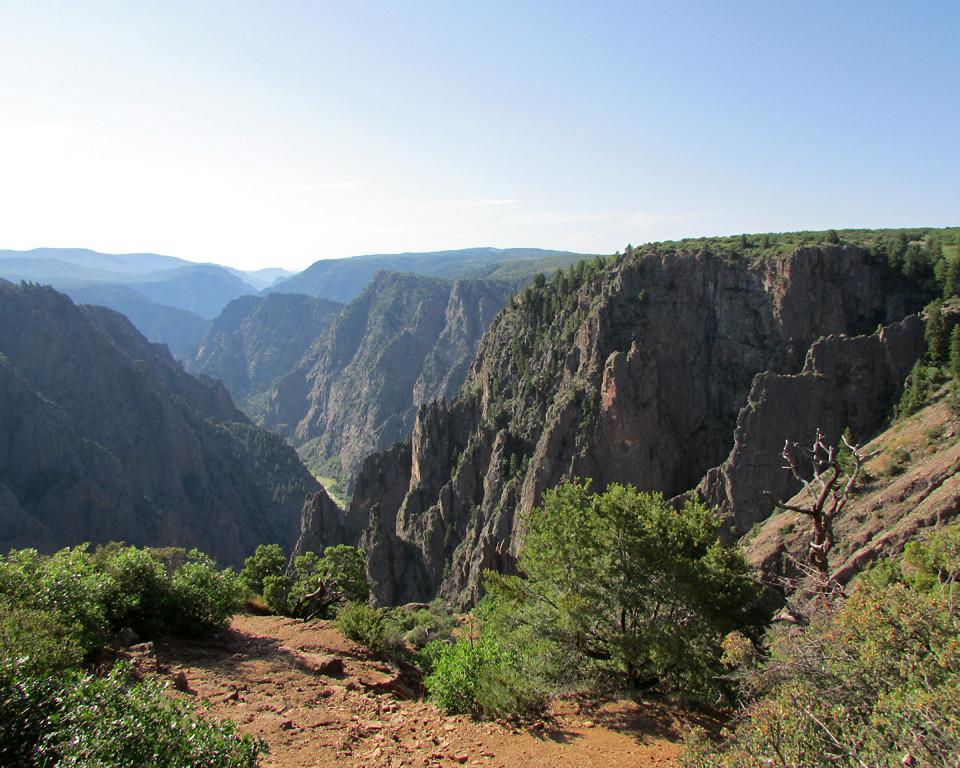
[
  {"x": 316, "y": 604},
  {"x": 828, "y": 486}
]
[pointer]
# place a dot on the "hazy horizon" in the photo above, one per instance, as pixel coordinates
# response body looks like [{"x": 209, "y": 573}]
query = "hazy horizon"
[{"x": 263, "y": 136}]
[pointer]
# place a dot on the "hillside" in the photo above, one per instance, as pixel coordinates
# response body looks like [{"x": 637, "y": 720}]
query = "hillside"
[
  {"x": 633, "y": 370},
  {"x": 179, "y": 329},
  {"x": 911, "y": 482},
  {"x": 104, "y": 437},
  {"x": 405, "y": 340},
  {"x": 344, "y": 279}
]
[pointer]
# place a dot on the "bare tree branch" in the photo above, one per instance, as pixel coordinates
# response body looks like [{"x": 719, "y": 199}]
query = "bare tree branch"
[{"x": 828, "y": 487}]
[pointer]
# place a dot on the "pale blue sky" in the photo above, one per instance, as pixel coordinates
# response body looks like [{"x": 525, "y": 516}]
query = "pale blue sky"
[{"x": 277, "y": 133}]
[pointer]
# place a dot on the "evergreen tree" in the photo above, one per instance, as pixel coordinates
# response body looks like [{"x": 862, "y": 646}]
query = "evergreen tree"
[
  {"x": 951, "y": 278},
  {"x": 936, "y": 333},
  {"x": 914, "y": 392},
  {"x": 832, "y": 237},
  {"x": 955, "y": 351},
  {"x": 896, "y": 250}
]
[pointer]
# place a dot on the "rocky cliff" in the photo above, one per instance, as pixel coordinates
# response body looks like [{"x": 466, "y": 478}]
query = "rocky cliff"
[
  {"x": 405, "y": 340},
  {"x": 845, "y": 383},
  {"x": 103, "y": 436},
  {"x": 258, "y": 339},
  {"x": 631, "y": 370}
]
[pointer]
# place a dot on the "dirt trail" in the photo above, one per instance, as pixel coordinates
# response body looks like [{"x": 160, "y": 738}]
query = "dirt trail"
[{"x": 279, "y": 679}]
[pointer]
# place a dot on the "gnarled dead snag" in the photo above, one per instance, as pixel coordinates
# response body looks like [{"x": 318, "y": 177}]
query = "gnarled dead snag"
[{"x": 828, "y": 486}]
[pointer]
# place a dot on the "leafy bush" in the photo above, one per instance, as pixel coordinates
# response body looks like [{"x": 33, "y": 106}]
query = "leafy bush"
[
  {"x": 345, "y": 568},
  {"x": 120, "y": 587},
  {"x": 104, "y": 721},
  {"x": 479, "y": 676},
  {"x": 35, "y": 648},
  {"x": 55, "y": 610},
  {"x": 67, "y": 584},
  {"x": 276, "y": 592},
  {"x": 364, "y": 624},
  {"x": 875, "y": 681},
  {"x": 205, "y": 597},
  {"x": 140, "y": 593},
  {"x": 417, "y": 627}
]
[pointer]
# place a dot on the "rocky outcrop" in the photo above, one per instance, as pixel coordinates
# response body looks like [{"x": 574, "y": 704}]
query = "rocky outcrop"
[
  {"x": 322, "y": 525},
  {"x": 406, "y": 340},
  {"x": 845, "y": 382},
  {"x": 634, "y": 370},
  {"x": 103, "y": 437}
]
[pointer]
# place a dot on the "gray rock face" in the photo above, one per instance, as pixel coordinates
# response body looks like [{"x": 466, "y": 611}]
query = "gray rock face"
[
  {"x": 322, "y": 524},
  {"x": 103, "y": 437},
  {"x": 845, "y": 382},
  {"x": 634, "y": 372},
  {"x": 258, "y": 339},
  {"x": 406, "y": 340}
]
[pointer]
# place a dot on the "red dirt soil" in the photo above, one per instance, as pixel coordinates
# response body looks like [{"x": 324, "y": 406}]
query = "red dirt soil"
[{"x": 265, "y": 673}]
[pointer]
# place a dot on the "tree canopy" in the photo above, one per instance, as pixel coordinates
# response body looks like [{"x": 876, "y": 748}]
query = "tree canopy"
[{"x": 630, "y": 585}]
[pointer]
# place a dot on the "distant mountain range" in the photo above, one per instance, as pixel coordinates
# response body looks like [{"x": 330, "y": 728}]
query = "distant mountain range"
[
  {"x": 345, "y": 279},
  {"x": 171, "y": 300}
]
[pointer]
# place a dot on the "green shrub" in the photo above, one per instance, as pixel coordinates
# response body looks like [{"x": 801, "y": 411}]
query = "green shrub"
[
  {"x": 933, "y": 562},
  {"x": 342, "y": 569},
  {"x": 345, "y": 568},
  {"x": 629, "y": 589},
  {"x": 875, "y": 681},
  {"x": 479, "y": 677},
  {"x": 364, "y": 624},
  {"x": 205, "y": 597},
  {"x": 140, "y": 595},
  {"x": 37, "y": 643},
  {"x": 267, "y": 560},
  {"x": 55, "y": 610},
  {"x": 67, "y": 584},
  {"x": 104, "y": 721},
  {"x": 121, "y": 587},
  {"x": 418, "y": 627},
  {"x": 35, "y": 649},
  {"x": 276, "y": 593}
]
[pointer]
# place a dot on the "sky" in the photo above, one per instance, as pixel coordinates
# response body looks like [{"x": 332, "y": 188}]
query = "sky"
[{"x": 259, "y": 134}]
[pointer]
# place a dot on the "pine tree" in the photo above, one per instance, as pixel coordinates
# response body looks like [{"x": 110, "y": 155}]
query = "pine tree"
[
  {"x": 955, "y": 351},
  {"x": 951, "y": 279},
  {"x": 914, "y": 392},
  {"x": 936, "y": 333}
]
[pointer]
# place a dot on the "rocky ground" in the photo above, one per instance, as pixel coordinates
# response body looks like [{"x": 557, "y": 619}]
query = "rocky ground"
[{"x": 320, "y": 700}]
